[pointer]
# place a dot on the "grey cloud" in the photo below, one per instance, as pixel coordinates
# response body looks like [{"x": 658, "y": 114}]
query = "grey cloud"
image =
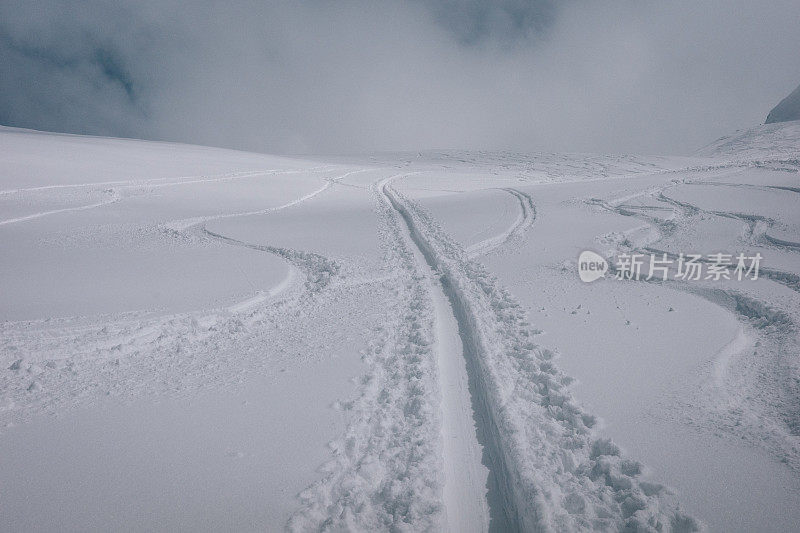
[
  {"x": 353, "y": 75},
  {"x": 508, "y": 21}
]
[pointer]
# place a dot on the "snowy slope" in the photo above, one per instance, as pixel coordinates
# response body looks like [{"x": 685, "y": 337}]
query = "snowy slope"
[
  {"x": 787, "y": 109},
  {"x": 210, "y": 339},
  {"x": 776, "y": 144}
]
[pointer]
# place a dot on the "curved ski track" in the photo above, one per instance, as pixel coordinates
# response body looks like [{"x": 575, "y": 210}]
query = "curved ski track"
[
  {"x": 525, "y": 218},
  {"x": 113, "y": 197},
  {"x": 148, "y": 184},
  {"x": 773, "y": 327},
  {"x": 152, "y": 339}
]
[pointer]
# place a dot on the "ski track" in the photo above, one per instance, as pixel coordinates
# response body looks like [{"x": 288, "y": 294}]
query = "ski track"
[
  {"x": 51, "y": 354},
  {"x": 661, "y": 227},
  {"x": 385, "y": 473},
  {"x": 449, "y": 327},
  {"x": 155, "y": 183},
  {"x": 465, "y": 477},
  {"x": 113, "y": 198},
  {"x": 72, "y": 362},
  {"x": 549, "y": 470},
  {"x": 165, "y": 182},
  {"x": 755, "y": 231},
  {"x": 318, "y": 269},
  {"x": 771, "y": 188},
  {"x": 751, "y": 391},
  {"x": 464, "y": 492},
  {"x": 123, "y": 336},
  {"x": 756, "y": 226},
  {"x": 754, "y": 398},
  {"x": 182, "y": 225},
  {"x": 525, "y": 218}
]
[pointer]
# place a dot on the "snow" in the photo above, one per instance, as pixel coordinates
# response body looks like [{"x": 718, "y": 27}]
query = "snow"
[
  {"x": 197, "y": 338},
  {"x": 772, "y": 146}
]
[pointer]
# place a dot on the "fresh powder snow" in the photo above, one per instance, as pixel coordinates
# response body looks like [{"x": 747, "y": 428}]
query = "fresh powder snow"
[{"x": 198, "y": 338}]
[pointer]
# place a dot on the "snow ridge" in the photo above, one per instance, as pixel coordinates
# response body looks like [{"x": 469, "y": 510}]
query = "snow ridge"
[{"x": 552, "y": 472}]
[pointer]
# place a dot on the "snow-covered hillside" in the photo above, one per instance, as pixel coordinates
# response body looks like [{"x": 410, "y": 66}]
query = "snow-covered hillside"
[
  {"x": 787, "y": 109},
  {"x": 769, "y": 143},
  {"x": 196, "y": 338}
]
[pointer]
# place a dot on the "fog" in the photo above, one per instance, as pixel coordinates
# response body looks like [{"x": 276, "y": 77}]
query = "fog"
[{"x": 355, "y": 76}]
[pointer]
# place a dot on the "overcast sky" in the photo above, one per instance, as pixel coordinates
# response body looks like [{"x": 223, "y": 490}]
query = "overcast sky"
[{"x": 321, "y": 76}]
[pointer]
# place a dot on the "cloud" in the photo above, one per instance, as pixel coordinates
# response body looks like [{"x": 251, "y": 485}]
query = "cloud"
[
  {"x": 352, "y": 75},
  {"x": 507, "y": 21}
]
